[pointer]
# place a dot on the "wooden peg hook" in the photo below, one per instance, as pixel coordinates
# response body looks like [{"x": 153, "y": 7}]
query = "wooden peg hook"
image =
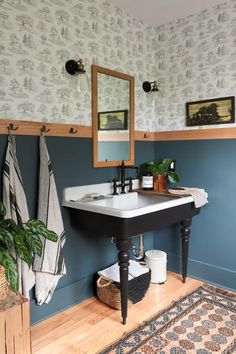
[
  {"x": 44, "y": 129},
  {"x": 72, "y": 131},
  {"x": 11, "y": 127}
]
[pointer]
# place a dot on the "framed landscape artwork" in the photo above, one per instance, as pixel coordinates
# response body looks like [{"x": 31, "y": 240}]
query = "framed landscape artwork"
[
  {"x": 213, "y": 111},
  {"x": 113, "y": 120}
]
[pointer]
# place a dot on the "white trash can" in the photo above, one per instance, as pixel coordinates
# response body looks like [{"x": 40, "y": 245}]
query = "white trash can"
[{"x": 157, "y": 261}]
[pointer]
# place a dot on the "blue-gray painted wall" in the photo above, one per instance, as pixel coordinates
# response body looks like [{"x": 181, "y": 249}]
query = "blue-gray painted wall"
[
  {"x": 208, "y": 164},
  {"x": 84, "y": 254}
]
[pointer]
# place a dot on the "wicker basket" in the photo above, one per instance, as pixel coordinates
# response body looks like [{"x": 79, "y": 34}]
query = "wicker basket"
[
  {"x": 108, "y": 291},
  {"x": 4, "y": 288}
]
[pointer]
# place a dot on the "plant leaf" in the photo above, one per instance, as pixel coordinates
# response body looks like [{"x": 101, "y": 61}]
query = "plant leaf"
[
  {"x": 34, "y": 242},
  {"x": 23, "y": 249},
  {"x": 34, "y": 225},
  {"x": 39, "y": 228},
  {"x": 6, "y": 238},
  {"x": 11, "y": 224},
  {"x": 173, "y": 177},
  {"x": 2, "y": 210},
  {"x": 8, "y": 262},
  {"x": 51, "y": 235}
]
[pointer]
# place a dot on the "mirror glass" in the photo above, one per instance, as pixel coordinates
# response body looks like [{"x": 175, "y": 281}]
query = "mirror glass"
[{"x": 113, "y": 117}]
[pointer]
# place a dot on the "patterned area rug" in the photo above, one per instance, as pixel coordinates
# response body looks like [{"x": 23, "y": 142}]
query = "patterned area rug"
[{"x": 202, "y": 322}]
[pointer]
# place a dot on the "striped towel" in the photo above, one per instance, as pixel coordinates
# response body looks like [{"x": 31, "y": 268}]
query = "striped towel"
[
  {"x": 199, "y": 195},
  {"x": 16, "y": 208},
  {"x": 50, "y": 267}
]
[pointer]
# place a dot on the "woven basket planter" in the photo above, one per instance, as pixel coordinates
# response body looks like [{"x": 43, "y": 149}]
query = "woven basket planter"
[
  {"x": 108, "y": 291},
  {"x": 4, "y": 288}
]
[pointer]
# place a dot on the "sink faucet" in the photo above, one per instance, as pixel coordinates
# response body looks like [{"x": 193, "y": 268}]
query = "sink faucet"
[{"x": 123, "y": 183}]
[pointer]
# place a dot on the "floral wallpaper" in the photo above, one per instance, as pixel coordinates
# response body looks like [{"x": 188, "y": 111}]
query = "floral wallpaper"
[
  {"x": 38, "y": 37},
  {"x": 196, "y": 59},
  {"x": 192, "y": 58}
]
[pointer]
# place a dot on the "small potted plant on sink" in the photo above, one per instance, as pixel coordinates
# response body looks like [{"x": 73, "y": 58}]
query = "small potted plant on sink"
[
  {"x": 22, "y": 241},
  {"x": 161, "y": 172}
]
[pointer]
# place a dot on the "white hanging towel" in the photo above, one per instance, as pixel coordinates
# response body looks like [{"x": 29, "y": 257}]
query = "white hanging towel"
[
  {"x": 50, "y": 267},
  {"x": 15, "y": 202}
]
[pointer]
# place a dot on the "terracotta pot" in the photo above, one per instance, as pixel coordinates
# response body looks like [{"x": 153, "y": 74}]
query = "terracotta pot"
[
  {"x": 160, "y": 183},
  {"x": 155, "y": 183}
]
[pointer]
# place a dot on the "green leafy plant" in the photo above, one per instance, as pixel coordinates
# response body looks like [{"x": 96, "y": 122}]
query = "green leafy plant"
[
  {"x": 161, "y": 167},
  {"x": 21, "y": 241}
]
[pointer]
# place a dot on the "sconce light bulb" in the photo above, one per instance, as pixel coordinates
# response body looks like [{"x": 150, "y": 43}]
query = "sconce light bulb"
[
  {"x": 81, "y": 68},
  {"x": 155, "y": 87},
  {"x": 153, "y": 92}
]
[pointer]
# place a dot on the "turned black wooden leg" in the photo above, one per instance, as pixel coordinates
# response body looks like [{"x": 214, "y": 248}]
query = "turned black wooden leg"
[
  {"x": 123, "y": 257},
  {"x": 185, "y": 232}
]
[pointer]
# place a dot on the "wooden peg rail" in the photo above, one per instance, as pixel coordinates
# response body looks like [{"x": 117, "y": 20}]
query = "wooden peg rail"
[
  {"x": 20, "y": 127},
  {"x": 197, "y": 134}
]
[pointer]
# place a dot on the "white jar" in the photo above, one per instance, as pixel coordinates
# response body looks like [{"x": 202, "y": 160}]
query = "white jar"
[{"x": 147, "y": 182}]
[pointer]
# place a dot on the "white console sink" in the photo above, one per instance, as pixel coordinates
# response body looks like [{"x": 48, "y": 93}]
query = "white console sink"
[{"x": 126, "y": 205}]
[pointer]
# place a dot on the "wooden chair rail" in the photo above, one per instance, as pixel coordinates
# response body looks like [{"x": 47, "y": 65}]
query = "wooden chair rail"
[
  {"x": 197, "y": 134},
  {"x": 25, "y": 127},
  {"x": 21, "y": 127}
]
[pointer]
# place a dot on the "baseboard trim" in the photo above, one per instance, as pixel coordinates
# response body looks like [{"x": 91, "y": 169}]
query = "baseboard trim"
[
  {"x": 63, "y": 298},
  {"x": 221, "y": 277}
]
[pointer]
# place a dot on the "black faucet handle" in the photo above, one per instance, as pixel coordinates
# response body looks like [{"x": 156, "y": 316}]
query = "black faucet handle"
[
  {"x": 114, "y": 185},
  {"x": 130, "y": 184}
]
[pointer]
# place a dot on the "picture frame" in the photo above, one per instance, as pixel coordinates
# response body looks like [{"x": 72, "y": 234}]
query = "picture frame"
[
  {"x": 212, "y": 111},
  {"x": 113, "y": 120}
]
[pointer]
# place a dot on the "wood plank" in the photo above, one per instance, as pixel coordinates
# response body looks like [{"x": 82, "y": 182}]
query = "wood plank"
[
  {"x": 164, "y": 193},
  {"x": 197, "y": 134},
  {"x": 9, "y": 332},
  {"x": 18, "y": 331},
  {"x": 25, "y": 317},
  {"x": 83, "y": 131},
  {"x": 15, "y": 325},
  {"x": 56, "y": 129},
  {"x": 2, "y": 331},
  {"x": 90, "y": 326}
]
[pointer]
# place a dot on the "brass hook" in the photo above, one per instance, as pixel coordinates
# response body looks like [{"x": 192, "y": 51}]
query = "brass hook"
[
  {"x": 44, "y": 129},
  {"x": 72, "y": 131},
  {"x": 11, "y": 127}
]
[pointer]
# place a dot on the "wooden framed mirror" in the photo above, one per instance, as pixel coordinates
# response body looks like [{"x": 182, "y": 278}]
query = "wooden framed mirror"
[{"x": 113, "y": 117}]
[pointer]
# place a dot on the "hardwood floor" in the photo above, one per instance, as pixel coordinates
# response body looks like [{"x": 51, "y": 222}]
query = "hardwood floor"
[{"x": 90, "y": 326}]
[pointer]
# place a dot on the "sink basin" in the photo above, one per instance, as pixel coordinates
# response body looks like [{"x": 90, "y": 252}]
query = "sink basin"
[
  {"x": 126, "y": 205},
  {"x": 125, "y": 214}
]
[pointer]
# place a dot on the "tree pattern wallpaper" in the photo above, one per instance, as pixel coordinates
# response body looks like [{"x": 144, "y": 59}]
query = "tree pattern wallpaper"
[{"x": 192, "y": 58}]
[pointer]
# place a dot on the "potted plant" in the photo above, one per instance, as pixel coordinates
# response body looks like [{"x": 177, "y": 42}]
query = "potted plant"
[
  {"x": 161, "y": 172},
  {"x": 21, "y": 241}
]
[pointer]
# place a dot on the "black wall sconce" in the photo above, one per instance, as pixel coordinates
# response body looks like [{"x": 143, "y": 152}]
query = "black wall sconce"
[
  {"x": 74, "y": 67},
  {"x": 151, "y": 87}
]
